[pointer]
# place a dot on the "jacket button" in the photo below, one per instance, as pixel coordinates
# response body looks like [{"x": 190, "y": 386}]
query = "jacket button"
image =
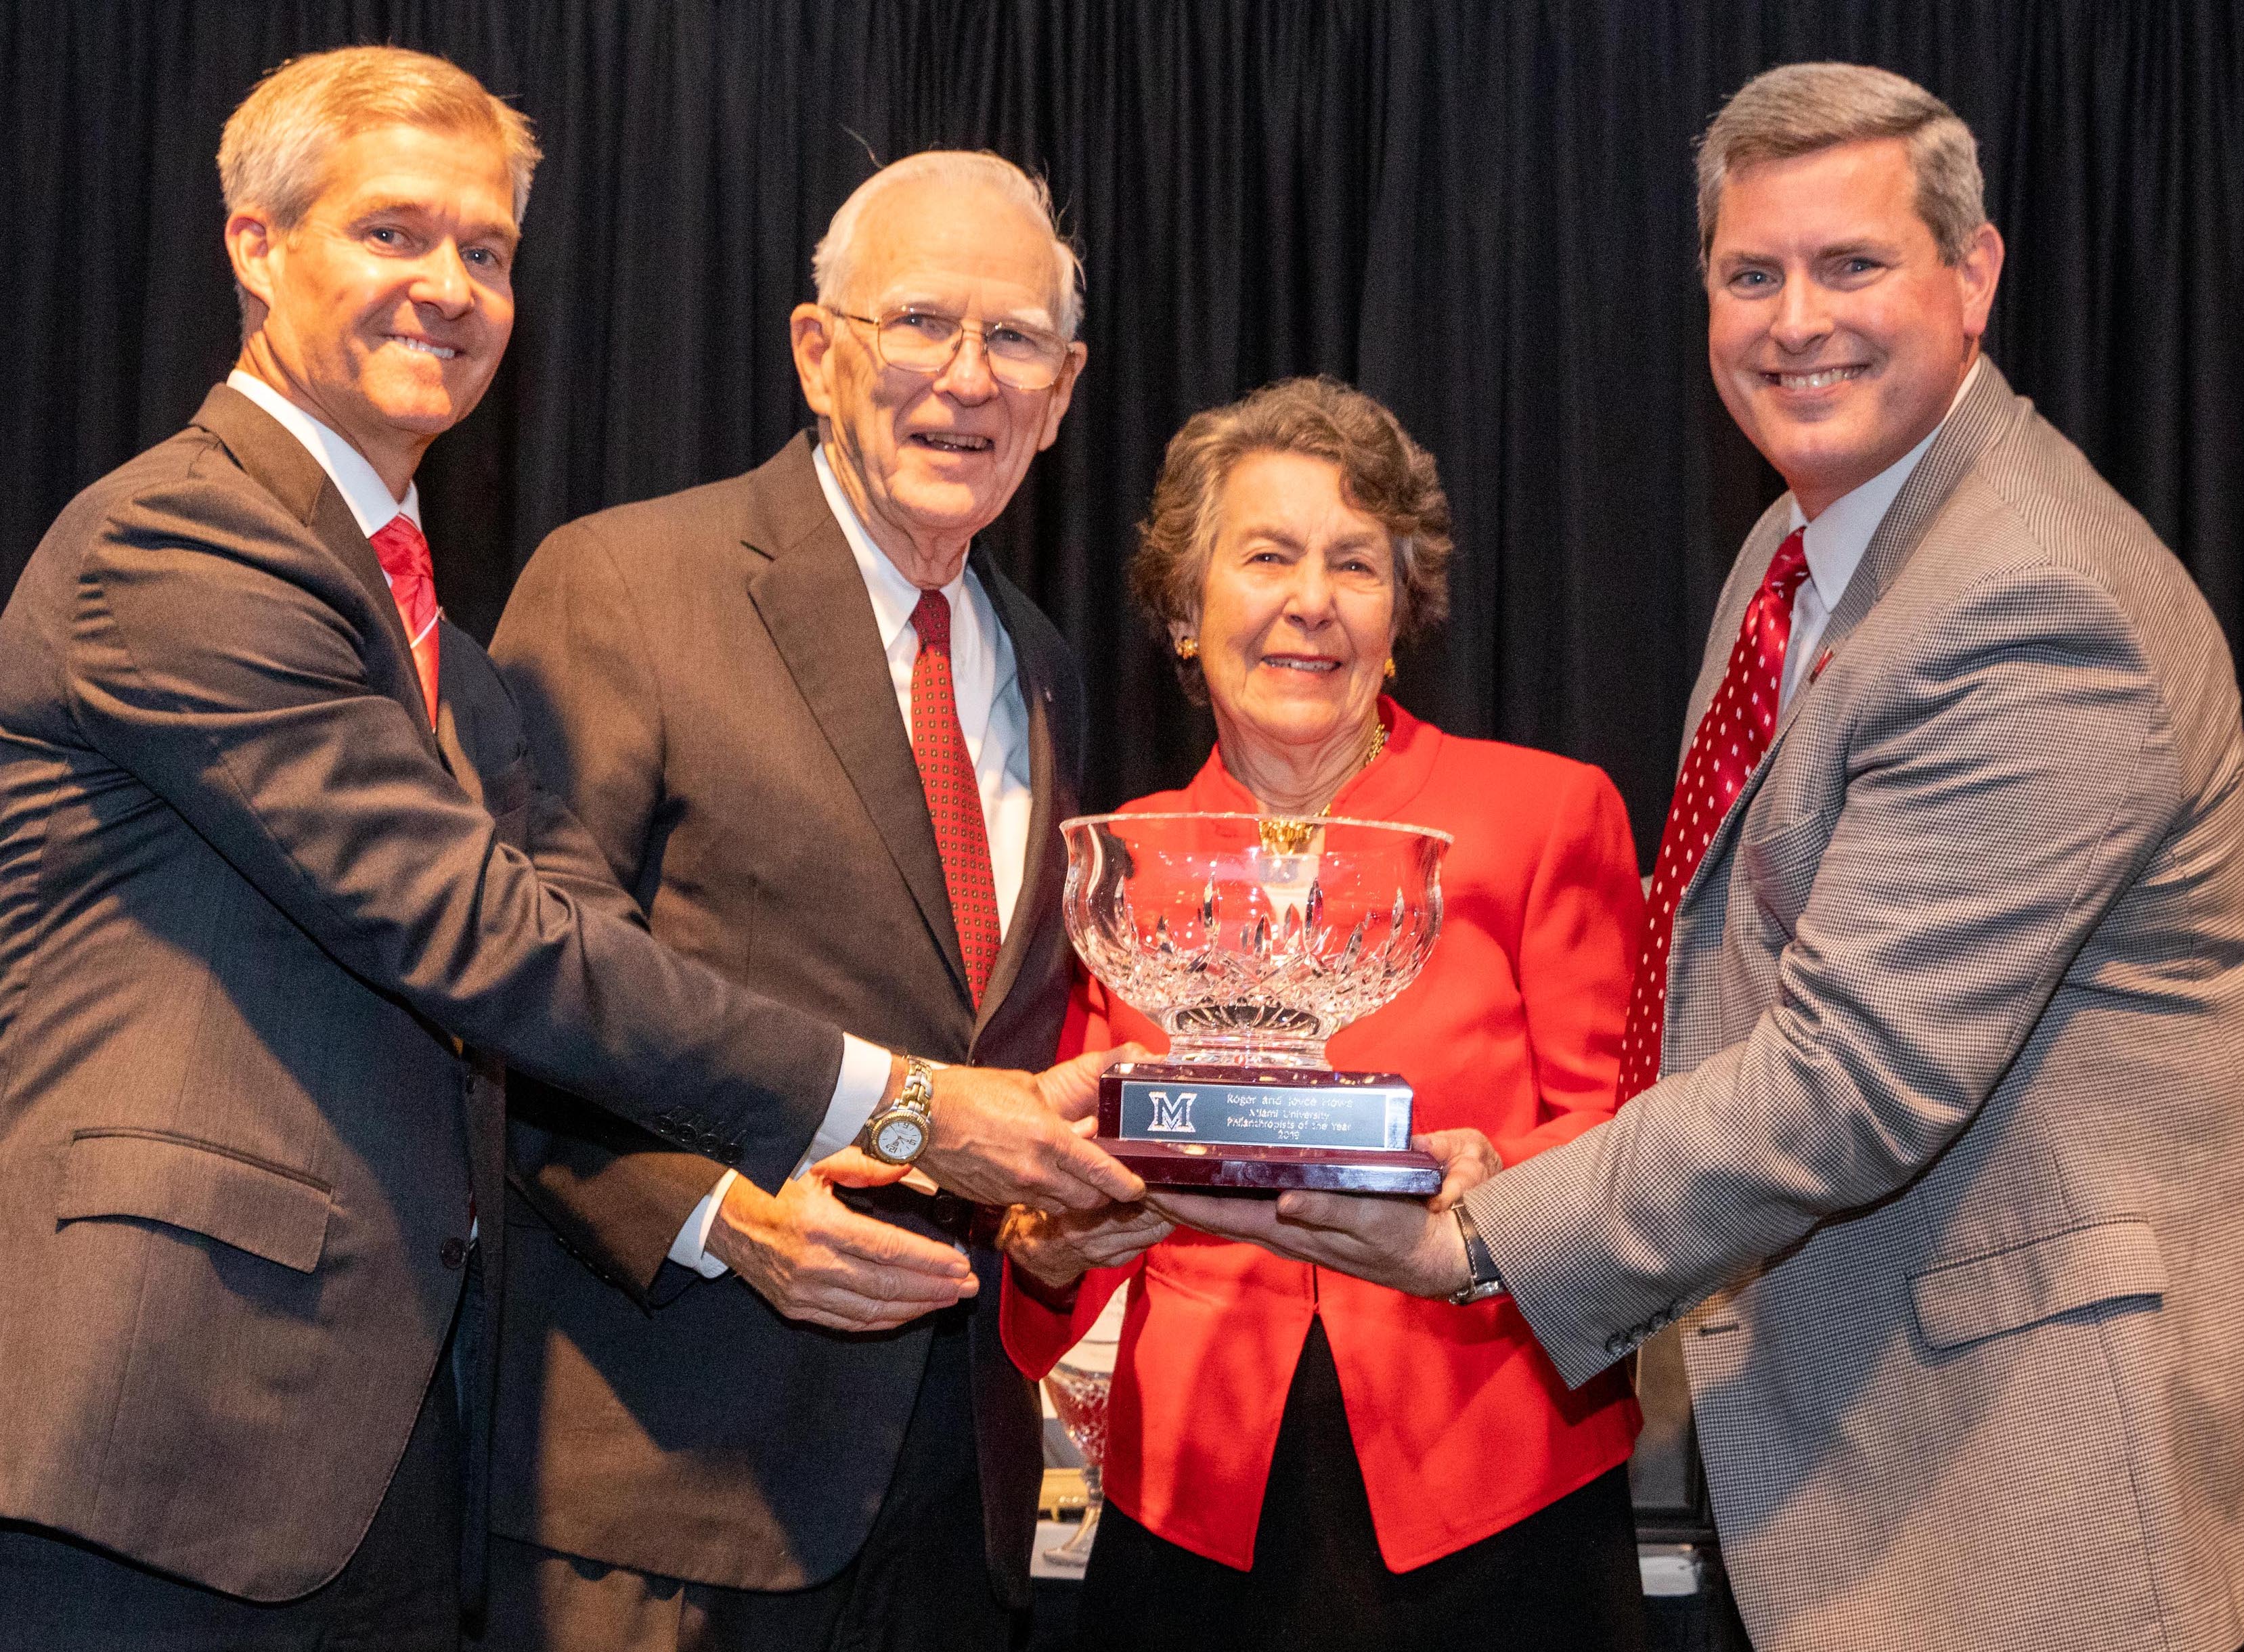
[{"x": 452, "y": 1252}]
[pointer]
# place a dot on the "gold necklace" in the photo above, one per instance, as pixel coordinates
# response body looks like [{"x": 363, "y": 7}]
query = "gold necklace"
[{"x": 1290, "y": 835}]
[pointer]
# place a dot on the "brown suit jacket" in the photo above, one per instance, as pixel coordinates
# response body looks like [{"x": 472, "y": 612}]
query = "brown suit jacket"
[
  {"x": 703, "y": 678},
  {"x": 250, "y": 907}
]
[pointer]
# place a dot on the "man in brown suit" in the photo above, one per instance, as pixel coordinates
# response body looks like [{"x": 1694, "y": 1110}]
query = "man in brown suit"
[
  {"x": 826, "y": 746},
  {"x": 269, "y": 924}
]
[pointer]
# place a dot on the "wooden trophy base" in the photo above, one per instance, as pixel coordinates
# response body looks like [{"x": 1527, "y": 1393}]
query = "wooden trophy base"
[{"x": 1257, "y": 1130}]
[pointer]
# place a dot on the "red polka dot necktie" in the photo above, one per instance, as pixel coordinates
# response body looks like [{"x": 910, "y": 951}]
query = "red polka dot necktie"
[
  {"x": 1732, "y": 737},
  {"x": 954, "y": 797},
  {"x": 404, "y": 554}
]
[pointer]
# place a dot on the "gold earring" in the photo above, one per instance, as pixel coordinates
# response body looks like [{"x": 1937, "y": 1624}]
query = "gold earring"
[
  {"x": 1187, "y": 648},
  {"x": 1391, "y": 668}
]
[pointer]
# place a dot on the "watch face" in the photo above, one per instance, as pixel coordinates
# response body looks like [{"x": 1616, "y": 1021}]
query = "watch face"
[{"x": 899, "y": 1140}]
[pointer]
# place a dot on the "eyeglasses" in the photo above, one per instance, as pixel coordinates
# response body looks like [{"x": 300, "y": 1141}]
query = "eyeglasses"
[{"x": 926, "y": 342}]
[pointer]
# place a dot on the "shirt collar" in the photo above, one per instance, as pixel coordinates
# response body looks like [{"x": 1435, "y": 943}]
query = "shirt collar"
[
  {"x": 1837, "y": 539},
  {"x": 363, "y": 489},
  {"x": 894, "y": 596}
]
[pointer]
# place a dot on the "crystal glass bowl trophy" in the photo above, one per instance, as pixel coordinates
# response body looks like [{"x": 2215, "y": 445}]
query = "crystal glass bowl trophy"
[{"x": 1250, "y": 940}]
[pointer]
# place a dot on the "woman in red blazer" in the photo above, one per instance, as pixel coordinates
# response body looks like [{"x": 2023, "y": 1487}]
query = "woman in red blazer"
[{"x": 1295, "y": 1458}]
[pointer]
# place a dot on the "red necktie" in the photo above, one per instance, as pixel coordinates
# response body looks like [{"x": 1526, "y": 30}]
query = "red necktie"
[
  {"x": 405, "y": 563},
  {"x": 954, "y": 797},
  {"x": 1732, "y": 737}
]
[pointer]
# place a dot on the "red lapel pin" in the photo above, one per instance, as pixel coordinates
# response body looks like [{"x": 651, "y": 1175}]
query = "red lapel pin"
[{"x": 1816, "y": 670}]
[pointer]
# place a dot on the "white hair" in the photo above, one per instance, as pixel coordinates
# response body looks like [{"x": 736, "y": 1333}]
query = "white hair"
[{"x": 835, "y": 261}]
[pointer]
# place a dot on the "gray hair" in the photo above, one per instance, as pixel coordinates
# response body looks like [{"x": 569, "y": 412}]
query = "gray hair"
[
  {"x": 835, "y": 261},
  {"x": 275, "y": 148},
  {"x": 1802, "y": 107},
  {"x": 1383, "y": 474}
]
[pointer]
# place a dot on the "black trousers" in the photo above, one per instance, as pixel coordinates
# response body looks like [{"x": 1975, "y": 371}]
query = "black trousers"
[
  {"x": 920, "y": 1584},
  {"x": 1564, "y": 1579},
  {"x": 400, "y": 1592}
]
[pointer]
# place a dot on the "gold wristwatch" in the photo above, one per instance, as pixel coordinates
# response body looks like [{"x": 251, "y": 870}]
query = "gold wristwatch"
[{"x": 899, "y": 1132}]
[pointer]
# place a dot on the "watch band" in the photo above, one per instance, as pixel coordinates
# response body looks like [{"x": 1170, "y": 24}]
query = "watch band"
[
  {"x": 1484, "y": 1279},
  {"x": 916, "y": 1102}
]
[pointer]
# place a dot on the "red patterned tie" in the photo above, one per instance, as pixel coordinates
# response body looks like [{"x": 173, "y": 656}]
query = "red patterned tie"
[
  {"x": 405, "y": 563},
  {"x": 954, "y": 797},
  {"x": 1732, "y": 737}
]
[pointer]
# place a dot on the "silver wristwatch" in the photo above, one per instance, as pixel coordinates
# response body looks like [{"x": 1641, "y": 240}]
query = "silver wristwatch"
[
  {"x": 1484, "y": 1281},
  {"x": 899, "y": 1132}
]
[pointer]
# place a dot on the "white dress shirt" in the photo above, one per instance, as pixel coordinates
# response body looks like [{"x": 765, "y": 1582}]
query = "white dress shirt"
[
  {"x": 984, "y": 680},
  {"x": 1837, "y": 540},
  {"x": 985, "y": 683},
  {"x": 363, "y": 489}
]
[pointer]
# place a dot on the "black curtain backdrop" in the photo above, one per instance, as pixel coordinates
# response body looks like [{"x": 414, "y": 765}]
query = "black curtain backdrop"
[{"x": 1479, "y": 213}]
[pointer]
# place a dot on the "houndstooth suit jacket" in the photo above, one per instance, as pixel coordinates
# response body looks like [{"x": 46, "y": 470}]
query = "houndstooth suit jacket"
[{"x": 1946, "y": 1180}]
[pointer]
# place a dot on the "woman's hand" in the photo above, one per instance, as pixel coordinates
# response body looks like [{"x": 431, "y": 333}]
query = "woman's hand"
[
  {"x": 1468, "y": 1159},
  {"x": 1056, "y": 1251}
]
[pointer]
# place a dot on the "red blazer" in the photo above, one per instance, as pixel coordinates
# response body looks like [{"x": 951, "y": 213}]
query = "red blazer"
[{"x": 1461, "y": 1425}]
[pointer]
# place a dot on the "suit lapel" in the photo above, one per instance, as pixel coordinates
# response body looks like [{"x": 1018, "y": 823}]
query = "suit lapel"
[
  {"x": 1985, "y": 413},
  {"x": 452, "y": 749},
  {"x": 1033, "y": 675},
  {"x": 813, "y": 602},
  {"x": 274, "y": 460},
  {"x": 1745, "y": 575},
  {"x": 462, "y": 729}
]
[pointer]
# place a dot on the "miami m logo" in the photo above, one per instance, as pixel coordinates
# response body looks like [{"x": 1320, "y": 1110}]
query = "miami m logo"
[{"x": 1172, "y": 1117}]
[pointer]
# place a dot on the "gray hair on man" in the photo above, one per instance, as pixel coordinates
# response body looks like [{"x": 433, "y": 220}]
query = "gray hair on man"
[
  {"x": 835, "y": 260},
  {"x": 274, "y": 149},
  {"x": 1802, "y": 107}
]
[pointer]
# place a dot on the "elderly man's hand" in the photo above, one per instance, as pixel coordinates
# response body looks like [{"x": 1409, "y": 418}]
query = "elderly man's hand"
[
  {"x": 1387, "y": 1240},
  {"x": 1072, "y": 1089},
  {"x": 815, "y": 1259},
  {"x": 1000, "y": 1138},
  {"x": 1058, "y": 1251}
]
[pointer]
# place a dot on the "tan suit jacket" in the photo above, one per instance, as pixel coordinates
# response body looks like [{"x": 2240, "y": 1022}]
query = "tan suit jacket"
[{"x": 1943, "y": 1182}]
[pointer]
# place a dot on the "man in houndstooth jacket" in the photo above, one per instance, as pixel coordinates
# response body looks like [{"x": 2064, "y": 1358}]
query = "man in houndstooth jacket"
[{"x": 1942, "y": 1178}]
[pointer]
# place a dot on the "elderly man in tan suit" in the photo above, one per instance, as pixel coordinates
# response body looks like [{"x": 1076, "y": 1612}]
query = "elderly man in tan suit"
[{"x": 1944, "y": 986}]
